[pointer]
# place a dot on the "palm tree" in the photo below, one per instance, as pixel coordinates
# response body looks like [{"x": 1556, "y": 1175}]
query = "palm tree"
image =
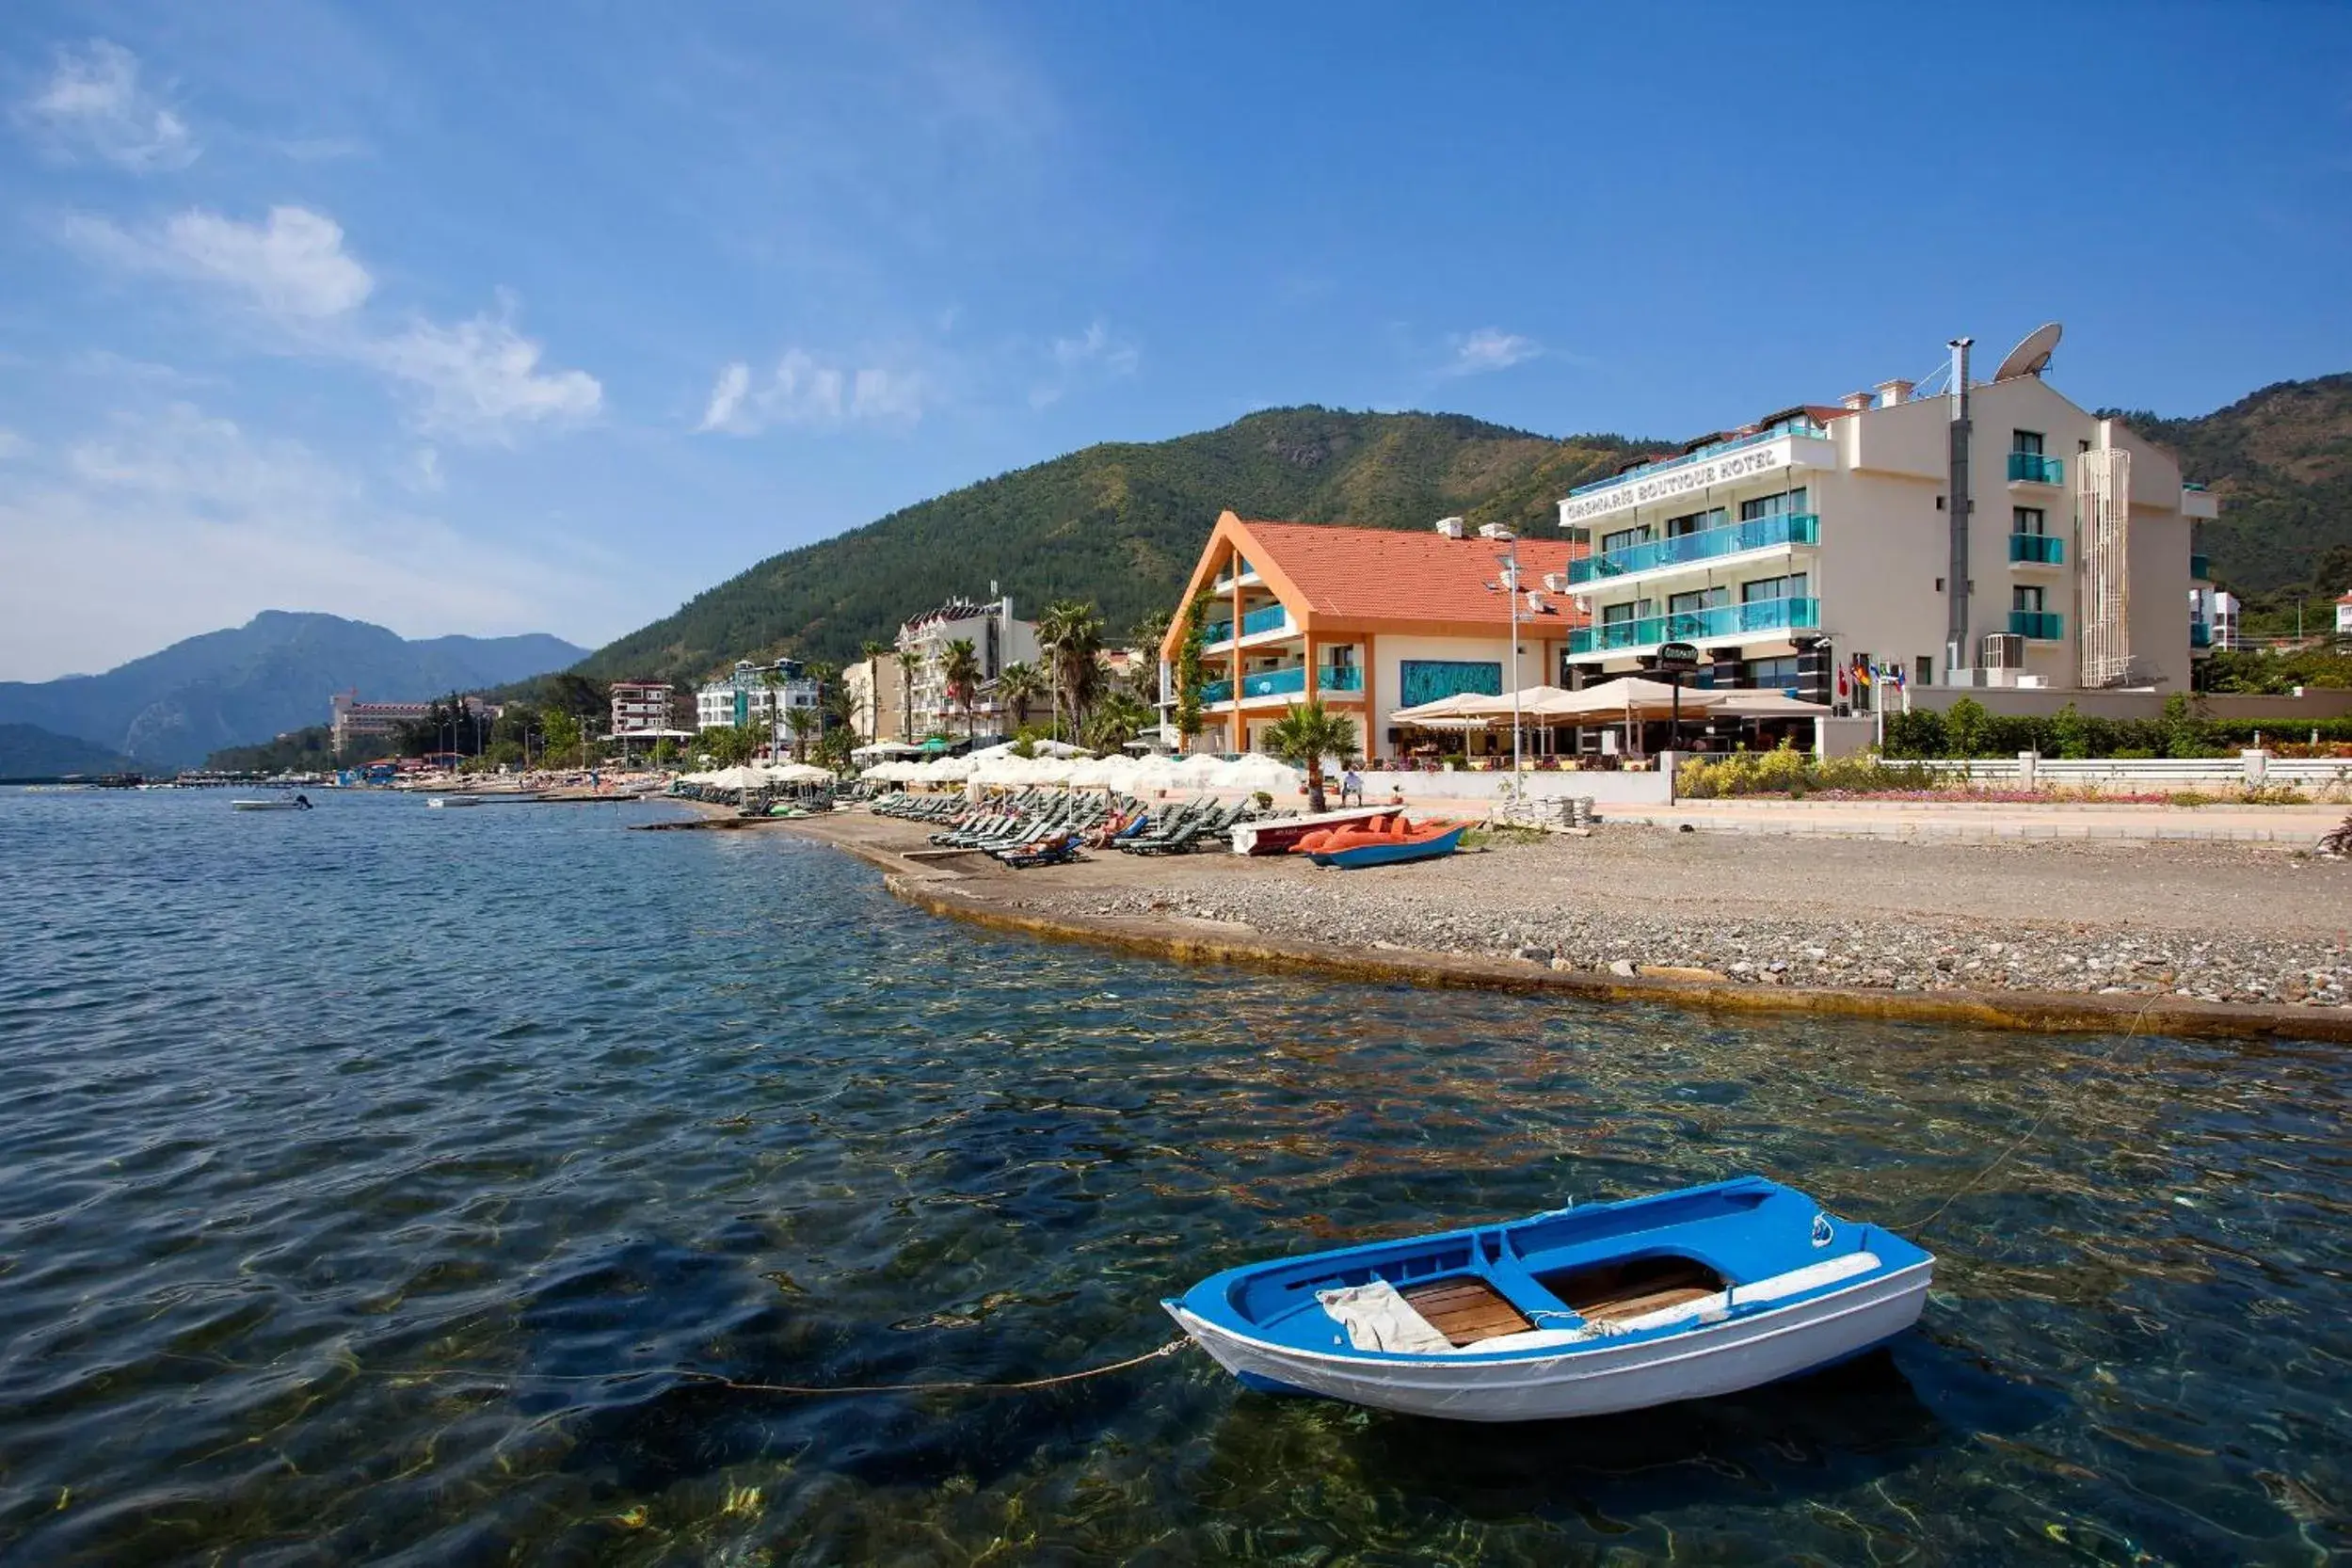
[
  {"x": 1070, "y": 631},
  {"x": 1117, "y": 719},
  {"x": 870, "y": 650},
  {"x": 909, "y": 661},
  {"x": 1018, "y": 684},
  {"x": 1305, "y": 736},
  {"x": 959, "y": 668},
  {"x": 773, "y": 679},
  {"x": 800, "y": 721}
]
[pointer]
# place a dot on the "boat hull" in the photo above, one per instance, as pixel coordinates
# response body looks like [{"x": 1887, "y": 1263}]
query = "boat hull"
[
  {"x": 1591, "y": 1379},
  {"x": 1391, "y": 854},
  {"x": 1280, "y": 834}
]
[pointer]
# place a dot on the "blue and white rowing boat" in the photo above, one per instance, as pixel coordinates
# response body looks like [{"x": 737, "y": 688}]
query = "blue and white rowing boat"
[{"x": 1576, "y": 1312}]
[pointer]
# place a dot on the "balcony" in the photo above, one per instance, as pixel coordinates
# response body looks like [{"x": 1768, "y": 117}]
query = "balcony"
[
  {"x": 1290, "y": 680},
  {"x": 2037, "y": 549},
  {"x": 2039, "y": 626},
  {"x": 2032, "y": 467},
  {"x": 2200, "y": 569},
  {"x": 2201, "y": 633},
  {"x": 1708, "y": 543},
  {"x": 1274, "y": 617},
  {"x": 1724, "y": 620}
]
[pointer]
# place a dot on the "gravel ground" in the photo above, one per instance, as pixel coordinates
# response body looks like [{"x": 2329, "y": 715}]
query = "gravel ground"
[{"x": 2221, "y": 922}]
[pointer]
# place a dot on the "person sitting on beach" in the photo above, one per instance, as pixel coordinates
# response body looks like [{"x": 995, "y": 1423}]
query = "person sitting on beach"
[
  {"x": 1351, "y": 786},
  {"x": 1396, "y": 794},
  {"x": 1100, "y": 837}
]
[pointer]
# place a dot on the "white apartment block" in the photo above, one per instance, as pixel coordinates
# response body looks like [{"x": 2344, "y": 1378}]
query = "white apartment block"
[
  {"x": 641, "y": 707},
  {"x": 997, "y": 640},
  {"x": 746, "y": 696},
  {"x": 1823, "y": 535}
]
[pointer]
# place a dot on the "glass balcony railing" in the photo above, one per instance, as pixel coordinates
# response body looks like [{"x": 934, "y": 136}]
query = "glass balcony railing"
[
  {"x": 1215, "y": 631},
  {"x": 1274, "y": 617},
  {"x": 2044, "y": 550},
  {"x": 1723, "y": 620},
  {"x": 1290, "y": 681},
  {"x": 2032, "y": 467},
  {"x": 2045, "y": 626},
  {"x": 2200, "y": 568},
  {"x": 2201, "y": 633},
  {"x": 1706, "y": 545}
]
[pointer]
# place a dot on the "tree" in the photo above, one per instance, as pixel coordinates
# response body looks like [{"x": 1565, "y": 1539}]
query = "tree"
[
  {"x": 1190, "y": 675},
  {"x": 772, "y": 680},
  {"x": 802, "y": 722},
  {"x": 959, "y": 668},
  {"x": 1117, "y": 719},
  {"x": 1018, "y": 685},
  {"x": 2071, "y": 732},
  {"x": 909, "y": 661},
  {"x": 1070, "y": 631},
  {"x": 1967, "y": 729},
  {"x": 559, "y": 735},
  {"x": 1150, "y": 630},
  {"x": 577, "y": 695},
  {"x": 1305, "y": 736},
  {"x": 731, "y": 744}
]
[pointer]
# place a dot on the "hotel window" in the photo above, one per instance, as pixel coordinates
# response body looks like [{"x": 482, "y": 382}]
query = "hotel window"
[
  {"x": 1693, "y": 523},
  {"x": 1922, "y": 670},
  {"x": 1624, "y": 539},
  {"x": 1703, "y": 599},
  {"x": 1795, "y": 586},
  {"x": 2028, "y": 441},
  {"x": 1787, "y": 502},
  {"x": 2026, "y": 601},
  {"x": 1769, "y": 673},
  {"x": 1612, "y": 615},
  {"x": 2028, "y": 519}
]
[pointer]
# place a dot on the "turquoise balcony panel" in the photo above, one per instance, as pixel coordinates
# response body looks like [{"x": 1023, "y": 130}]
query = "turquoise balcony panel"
[
  {"x": 1724, "y": 620},
  {"x": 2201, "y": 633},
  {"x": 2046, "y": 549},
  {"x": 1350, "y": 678},
  {"x": 1290, "y": 680},
  {"x": 1271, "y": 619},
  {"x": 2046, "y": 625},
  {"x": 1706, "y": 545},
  {"x": 1215, "y": 631},
  {"x": 2032, "y": 467},
  {"x": 2200, "y": 568}
]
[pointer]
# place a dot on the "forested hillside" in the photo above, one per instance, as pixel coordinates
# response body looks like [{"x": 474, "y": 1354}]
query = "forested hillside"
[{"x": 1120, "y": 524}]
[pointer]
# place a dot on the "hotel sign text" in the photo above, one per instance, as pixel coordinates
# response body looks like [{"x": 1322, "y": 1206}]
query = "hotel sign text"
[{"x": 1674, "y": 482}]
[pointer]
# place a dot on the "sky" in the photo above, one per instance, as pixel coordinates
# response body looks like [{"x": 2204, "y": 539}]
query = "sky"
[{"x": 489, "y": 319}]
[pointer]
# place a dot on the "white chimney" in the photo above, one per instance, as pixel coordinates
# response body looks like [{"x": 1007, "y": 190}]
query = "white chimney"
[
  {"x": 1892, "y": 393},
  {"x": 1495, "y": 530},
  {"x": 1556, "y": 582},
  {"x": 1535, "y": 601},
  {"x": 1857, "y": 401},
  {"x": 1450, "y": 527}
]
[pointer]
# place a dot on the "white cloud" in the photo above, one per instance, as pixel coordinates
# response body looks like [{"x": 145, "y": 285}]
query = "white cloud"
[
  {"x": 480, "y": 379},
  {"x": 807, "y": 393},
  {"x": 1097, "y": 352},
  {"x": 93, "y": 107},
  {"x": 1490, "y": 348},
  {"x": 174, "y": 522}
]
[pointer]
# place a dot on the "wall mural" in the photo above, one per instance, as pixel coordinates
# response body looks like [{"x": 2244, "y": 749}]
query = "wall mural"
[{"x": 1429, "y": 679}]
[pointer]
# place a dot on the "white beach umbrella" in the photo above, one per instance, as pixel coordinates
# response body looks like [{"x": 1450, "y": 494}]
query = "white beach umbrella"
[{"x": 800, "y": 772}]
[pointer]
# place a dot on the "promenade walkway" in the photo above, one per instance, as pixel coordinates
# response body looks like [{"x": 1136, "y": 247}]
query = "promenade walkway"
[{"x": 2278, "y": 824}]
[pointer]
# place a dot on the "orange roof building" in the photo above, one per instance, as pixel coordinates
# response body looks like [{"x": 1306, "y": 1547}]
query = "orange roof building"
[{"x": 1366, "y": 620}]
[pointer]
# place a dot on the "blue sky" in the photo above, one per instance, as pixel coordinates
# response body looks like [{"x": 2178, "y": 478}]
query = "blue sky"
[{"x": 490, "y": 319}]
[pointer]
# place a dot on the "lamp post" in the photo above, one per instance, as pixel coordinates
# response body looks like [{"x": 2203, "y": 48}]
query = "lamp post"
[{"x": 1510, "y": 586}]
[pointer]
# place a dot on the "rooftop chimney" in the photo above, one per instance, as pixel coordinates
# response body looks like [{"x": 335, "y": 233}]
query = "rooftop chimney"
[
  {"x": 1450, "y": 527},
  {"x": 1857, "y": 402},
  {"x": 1892, "y": 393}
]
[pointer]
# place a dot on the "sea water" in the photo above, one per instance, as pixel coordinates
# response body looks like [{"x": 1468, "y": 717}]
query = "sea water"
[{"x": 369, "y": 1175}]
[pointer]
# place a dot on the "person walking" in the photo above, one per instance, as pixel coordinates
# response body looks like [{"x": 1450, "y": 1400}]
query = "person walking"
[{"x": 1350, "y": 787}]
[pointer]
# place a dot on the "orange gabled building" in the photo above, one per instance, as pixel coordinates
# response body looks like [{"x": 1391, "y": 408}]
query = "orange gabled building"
[{"x": 1367, "y": 621}]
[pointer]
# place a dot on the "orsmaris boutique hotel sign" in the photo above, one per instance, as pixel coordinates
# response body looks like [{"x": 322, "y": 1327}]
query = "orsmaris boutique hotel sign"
[{"x": 1686, "y": 479}]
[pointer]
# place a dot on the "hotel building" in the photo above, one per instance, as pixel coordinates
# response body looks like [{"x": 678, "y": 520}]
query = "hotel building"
[
  {"x": 641, "y": 707},
  {"x": 1821, "y": 536},
  {"x": 1366, "y": 620},
  {"x": 351, "y": 721},
  {"x": 746, "y": 695},
  {"x": 997, "y": 640}
]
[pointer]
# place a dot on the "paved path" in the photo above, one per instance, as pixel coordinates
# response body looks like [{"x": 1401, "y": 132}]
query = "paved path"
[{"x": 2278, "y": 824}]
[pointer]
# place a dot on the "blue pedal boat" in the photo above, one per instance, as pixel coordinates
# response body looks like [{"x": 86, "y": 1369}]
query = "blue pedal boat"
[
  {"x": 1391, "y": 854},
  {"x": 1575, "y": 1312}
]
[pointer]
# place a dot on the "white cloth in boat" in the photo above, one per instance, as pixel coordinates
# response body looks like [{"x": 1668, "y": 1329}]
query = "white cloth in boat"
[
  {"x": 1830, "y": 1271},
  {"x": 1378, "y": 1319}
]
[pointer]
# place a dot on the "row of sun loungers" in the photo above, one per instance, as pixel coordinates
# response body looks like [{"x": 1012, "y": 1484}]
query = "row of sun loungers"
[{"x": 1044, "y": 827}]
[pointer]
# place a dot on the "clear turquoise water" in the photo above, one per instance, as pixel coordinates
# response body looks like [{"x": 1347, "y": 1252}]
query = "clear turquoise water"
[{"x": 364, "y": 1172}]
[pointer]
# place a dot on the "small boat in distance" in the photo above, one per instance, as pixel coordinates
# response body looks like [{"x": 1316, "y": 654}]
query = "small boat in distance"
[
  {"x": 283, "y": 802},
  {"x": 1575, "y": 1312}
]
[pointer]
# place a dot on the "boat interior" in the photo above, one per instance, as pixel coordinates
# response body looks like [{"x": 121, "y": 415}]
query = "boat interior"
[{"x": 1612, "y": 1266}]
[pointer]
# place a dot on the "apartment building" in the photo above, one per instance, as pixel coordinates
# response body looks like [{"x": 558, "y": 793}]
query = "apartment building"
[
  {"x": 1822, "y": 534},
  {"x": 747, "y": 694},
  {"x": 998, "y": 639}
]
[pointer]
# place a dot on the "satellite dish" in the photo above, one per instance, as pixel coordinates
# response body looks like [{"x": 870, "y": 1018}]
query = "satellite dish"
[{"x": 2031, "y": 357}]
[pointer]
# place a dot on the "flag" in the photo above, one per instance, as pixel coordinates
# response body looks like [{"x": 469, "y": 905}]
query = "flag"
[
  {"x": 1896, "y": 673},
  {"x": 1862, "y": 675},
  {"x": 1841, "y": 684}
]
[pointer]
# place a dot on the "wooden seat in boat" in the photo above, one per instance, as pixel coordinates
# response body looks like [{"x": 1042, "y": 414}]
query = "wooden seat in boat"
[
  {"x": 1607, "y": 1292},
  {"x": 1465, "y": 1311}
]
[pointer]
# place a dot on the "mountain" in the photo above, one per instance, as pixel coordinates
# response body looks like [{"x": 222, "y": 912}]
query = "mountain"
[
  {"x": 27, "y": 751},
  {"x": 1120, "y": 523},
  {"x": 273, "y": 674},
  {"x": 2281, "y": 461}
]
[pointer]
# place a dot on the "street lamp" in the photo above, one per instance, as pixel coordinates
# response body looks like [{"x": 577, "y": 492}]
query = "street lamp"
[{"x": 1510, "y": 586}]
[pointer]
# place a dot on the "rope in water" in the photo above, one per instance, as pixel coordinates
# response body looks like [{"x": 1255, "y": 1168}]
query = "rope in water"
[
  {"x": 2047, "y": 1111},
  {"x": 693, "y": 1374}
]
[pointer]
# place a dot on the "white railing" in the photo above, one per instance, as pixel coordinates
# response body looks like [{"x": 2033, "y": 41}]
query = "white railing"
[{"x": 2156, "y": 773}]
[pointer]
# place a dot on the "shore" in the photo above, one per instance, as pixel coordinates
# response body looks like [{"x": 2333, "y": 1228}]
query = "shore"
[{"x": 2187, "y": 937}]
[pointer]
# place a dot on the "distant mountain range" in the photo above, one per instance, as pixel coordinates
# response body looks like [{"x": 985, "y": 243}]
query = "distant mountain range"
[
  {"x": 273, "y": 674},
  {"x": 28, "y": 751},
  {"x": 1122, "y": 524}
]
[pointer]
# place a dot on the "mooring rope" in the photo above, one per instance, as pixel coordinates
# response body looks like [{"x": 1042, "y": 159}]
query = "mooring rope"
[
  {"x": 696, "y": 1374},
  {"x": 2047, "y": 1111}
]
